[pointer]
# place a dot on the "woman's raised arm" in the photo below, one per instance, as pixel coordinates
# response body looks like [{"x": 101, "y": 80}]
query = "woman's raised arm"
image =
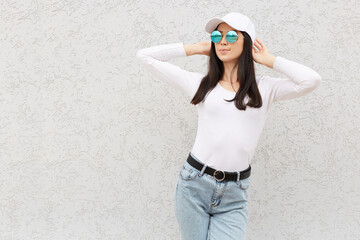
[
  {"x": 155, "y": 60},
  {"x": 300, "y": 80}
]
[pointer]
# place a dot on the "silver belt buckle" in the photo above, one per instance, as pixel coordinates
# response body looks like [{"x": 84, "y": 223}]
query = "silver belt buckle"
[{"x": 214, "y": 174}]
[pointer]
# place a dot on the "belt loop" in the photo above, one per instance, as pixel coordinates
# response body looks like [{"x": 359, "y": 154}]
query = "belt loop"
[
  {"x": 202, "y": 170},
  {"x": 238, "y": 178}
]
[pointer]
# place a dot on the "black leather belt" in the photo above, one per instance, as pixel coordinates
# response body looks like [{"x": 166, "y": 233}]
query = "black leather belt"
[{"x": 219, "y": 174}]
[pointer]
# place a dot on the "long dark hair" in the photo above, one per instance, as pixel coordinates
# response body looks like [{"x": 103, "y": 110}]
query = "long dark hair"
[{"x": 245, "y": 76}]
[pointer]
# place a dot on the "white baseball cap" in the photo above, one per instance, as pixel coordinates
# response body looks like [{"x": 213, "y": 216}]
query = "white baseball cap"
[{"x": 236, "y": 20}]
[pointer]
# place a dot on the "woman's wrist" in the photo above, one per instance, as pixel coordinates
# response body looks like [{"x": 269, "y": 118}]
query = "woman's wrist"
[
  {"x": 191, "y": 49},
  {"x": 269, "y": 62},
  {"x": 200, "y": 48}
]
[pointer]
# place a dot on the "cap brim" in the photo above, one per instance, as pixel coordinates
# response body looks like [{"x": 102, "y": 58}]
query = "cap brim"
[{"x": 212, "y": 24}]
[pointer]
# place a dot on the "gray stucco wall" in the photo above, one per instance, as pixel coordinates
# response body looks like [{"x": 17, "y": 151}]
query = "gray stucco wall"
[{"x": 91, "y": 144}]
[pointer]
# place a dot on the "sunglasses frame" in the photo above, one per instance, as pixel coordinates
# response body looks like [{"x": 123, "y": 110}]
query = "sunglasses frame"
[{"x": 228, "y": 36}]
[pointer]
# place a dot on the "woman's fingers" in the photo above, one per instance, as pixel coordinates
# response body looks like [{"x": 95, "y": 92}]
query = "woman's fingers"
[
  {"x": 258, "y": 48},
  {"x": 259, "y": 45}
]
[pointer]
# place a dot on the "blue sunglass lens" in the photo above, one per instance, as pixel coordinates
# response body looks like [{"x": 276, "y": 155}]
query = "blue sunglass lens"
[
  {"x": 215, "y": 36},
  {"x": 231, "y": 36}
]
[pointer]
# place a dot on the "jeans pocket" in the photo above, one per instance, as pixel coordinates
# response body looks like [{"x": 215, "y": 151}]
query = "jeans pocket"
[
  {"x": 187, "y": 173},
  {"x": 244, "y": 183}
]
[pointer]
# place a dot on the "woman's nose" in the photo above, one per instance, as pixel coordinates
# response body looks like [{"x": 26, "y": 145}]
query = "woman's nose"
[{"x": 223, "y": 39}]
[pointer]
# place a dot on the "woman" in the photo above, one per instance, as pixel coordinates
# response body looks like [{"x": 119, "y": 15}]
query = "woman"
[{"x": 232, "y": 103}]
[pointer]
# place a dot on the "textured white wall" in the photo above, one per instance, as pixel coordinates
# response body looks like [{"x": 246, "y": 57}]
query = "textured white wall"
[{"x": 91, "y": 144}]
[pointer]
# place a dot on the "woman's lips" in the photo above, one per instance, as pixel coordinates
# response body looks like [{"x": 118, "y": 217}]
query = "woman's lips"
[{"x": 224, "y": 51}]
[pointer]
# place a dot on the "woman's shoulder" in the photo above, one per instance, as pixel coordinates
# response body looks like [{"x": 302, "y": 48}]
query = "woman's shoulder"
[
  {"x": 259, "y": 79},
  {"x": 198, "y": 76},
  {"x": 263, "y": 80},
  {"x": 262, "y": 84}
]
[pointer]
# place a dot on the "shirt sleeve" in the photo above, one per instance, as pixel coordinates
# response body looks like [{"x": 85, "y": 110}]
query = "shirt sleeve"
[
  {"x": 300, "y": 80},
  {"x": 156, "y": 58}
]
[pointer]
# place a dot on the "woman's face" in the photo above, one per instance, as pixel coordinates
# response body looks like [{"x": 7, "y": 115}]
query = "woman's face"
[{"x": 234, "y": 50}]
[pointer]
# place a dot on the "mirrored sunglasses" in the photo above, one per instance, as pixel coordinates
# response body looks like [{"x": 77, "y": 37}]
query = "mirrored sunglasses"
[{"x": 231, "y": 36}]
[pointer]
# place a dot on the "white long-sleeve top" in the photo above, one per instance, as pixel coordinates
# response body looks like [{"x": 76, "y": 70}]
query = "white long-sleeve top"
[{"x": 226, "y": 136}]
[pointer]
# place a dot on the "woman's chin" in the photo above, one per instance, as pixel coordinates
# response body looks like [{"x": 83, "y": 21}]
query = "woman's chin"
[{"x": 226, "y": 58}]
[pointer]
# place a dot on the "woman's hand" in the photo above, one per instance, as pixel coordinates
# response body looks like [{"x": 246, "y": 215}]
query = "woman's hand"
[{"x": 262, "y": 55}]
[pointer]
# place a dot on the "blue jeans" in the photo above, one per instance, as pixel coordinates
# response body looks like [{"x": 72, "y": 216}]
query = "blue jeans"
[{"x": 207, "y": 209}]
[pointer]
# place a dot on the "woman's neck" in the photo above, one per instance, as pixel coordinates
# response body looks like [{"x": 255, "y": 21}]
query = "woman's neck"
[{"x": 230, "y": 72}]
